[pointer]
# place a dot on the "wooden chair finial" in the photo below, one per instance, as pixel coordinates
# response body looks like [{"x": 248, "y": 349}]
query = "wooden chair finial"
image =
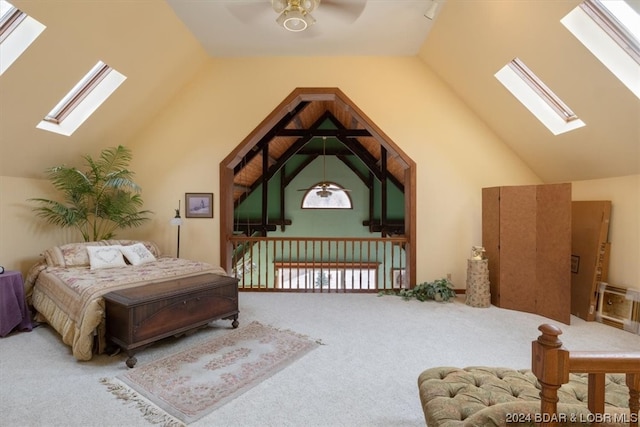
[{"x": 549, "y": 337}]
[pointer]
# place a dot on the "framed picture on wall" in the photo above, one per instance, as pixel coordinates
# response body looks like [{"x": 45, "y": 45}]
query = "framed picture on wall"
[
  {"x": 199, "y": 205},
  {"x": 575, "y": 263}
]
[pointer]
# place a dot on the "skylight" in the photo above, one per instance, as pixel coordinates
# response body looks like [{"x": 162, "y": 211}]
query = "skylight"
[
  {"x": 538, "y": 98},
  {"x": 611, "y": 31},
  {"x": 17, "y": 31},
  {"x": 85, "y": 97}
]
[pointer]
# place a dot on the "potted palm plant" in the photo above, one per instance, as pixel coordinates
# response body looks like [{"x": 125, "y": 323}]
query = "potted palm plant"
[{"x": 97, "y": 201}]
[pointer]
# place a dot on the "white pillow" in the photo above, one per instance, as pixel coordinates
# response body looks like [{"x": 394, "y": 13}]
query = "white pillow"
[
  {"x": 105, "y": 257},
  {"x": 137, "y": 253}
]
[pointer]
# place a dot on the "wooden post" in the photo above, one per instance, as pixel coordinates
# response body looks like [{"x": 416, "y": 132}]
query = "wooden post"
[
  {"x": 633, "y": 382},
  {"x": 550, "y": 364},
  {"x": 596, "y": 393}
]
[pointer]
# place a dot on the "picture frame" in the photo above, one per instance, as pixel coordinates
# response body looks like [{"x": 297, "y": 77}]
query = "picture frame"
[
  {"x": 399, "y": 278},
  {"x": 619, "y": 307},
  {"x": 198, "y": 205},
  {"x": 575, "y": 264}
]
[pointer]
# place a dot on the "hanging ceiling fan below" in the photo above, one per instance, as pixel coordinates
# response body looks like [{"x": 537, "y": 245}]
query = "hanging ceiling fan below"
[{"x": 324, "y": 188}]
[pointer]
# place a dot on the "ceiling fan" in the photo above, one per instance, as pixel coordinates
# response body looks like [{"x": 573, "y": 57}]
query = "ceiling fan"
[
  {"x": 325, "y": 188},
  {"x": 295, "y": 15}
]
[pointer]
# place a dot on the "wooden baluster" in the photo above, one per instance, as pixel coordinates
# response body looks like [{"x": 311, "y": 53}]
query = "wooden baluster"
[
  {"x": 633, "y": 382},
  {"x": 550, "y": 364},
  {"x": 596, "y": 395}
]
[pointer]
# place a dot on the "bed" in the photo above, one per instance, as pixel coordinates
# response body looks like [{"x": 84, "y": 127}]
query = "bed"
[{"x": 67, "y": 286}]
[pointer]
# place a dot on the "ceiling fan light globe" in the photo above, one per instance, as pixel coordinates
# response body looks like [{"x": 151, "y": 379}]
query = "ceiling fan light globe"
[
  {"x": 309, "y": 5},
  {"x": 295, "y": 24},
  {"x": 295, "y": 20},
  {"x": 279, "y": 5}
]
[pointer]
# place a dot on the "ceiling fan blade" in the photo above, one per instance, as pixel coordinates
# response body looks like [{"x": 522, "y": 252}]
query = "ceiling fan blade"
[
  {"x": 250, "y": 12},
  {"x": 348, "y": 10},
  {"x": 255, "y": 11}
]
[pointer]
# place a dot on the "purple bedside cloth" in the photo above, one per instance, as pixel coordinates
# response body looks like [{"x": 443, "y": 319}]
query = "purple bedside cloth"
[{"x": 14, "y": 313}]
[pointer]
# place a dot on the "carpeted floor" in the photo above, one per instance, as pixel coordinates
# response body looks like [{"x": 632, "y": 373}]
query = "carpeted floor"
[{"x": 365, "y": 374}]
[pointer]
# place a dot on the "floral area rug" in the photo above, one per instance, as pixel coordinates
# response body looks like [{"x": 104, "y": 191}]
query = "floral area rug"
[{"x": 186, "y": 386}]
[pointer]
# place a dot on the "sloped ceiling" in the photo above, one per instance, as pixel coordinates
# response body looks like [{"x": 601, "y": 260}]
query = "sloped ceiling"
[
  {"x": 157, "y": 63},
  {"x": 232, "y": 28},
  {"x": 466, "y": 44},
  {"x": 473, "y": 39}
]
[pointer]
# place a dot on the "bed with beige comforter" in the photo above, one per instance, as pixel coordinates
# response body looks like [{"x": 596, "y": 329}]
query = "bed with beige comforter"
[{"x": 67, "y": 293}]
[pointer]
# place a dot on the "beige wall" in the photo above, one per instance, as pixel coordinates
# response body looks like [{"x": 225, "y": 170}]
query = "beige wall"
[
  {"x": 457, "y": 155},
  {"x": 22, "y": 237},
  {"x": 624, "y": 229}
]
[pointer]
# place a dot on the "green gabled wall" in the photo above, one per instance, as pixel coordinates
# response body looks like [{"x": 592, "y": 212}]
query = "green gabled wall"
[{"x": 321, "y": 222}]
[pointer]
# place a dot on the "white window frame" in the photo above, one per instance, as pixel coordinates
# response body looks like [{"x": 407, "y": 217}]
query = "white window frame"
[
  {"x": 338, "y": 277},
  {"x": 545, "y": 105},
  {"x": 17, "y": 32},
  {"x": 609, "y": 39},
  {"x": 82, "y": 101}
]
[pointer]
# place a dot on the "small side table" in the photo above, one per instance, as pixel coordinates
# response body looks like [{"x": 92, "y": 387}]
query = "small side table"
[
  {"x": 14, "y": 313},
  {"x": 478, "y": 293}
]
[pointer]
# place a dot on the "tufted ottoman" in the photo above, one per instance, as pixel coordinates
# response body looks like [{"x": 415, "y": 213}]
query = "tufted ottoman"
[{"x": 484, "y": 396}]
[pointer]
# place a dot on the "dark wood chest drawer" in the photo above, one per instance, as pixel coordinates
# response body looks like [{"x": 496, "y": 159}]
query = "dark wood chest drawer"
[{"x": 139, "y": 316}]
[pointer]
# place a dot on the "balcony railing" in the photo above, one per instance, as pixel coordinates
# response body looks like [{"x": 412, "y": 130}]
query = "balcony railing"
[{"x": 310, "y": 264}]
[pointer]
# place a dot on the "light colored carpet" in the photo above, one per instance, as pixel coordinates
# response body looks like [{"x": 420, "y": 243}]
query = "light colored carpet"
[
  {"x": 364, "y": 375},
  {"x": 193, "y": 382}
]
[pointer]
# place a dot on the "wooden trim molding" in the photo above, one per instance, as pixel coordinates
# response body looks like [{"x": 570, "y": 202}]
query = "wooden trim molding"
[{"x": 287, "y": 111}]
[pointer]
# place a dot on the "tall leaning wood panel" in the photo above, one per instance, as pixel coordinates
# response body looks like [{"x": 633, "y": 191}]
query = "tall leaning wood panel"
[
  {"x": 526, "y": 232},
  {"x": 589, "y": 253}
]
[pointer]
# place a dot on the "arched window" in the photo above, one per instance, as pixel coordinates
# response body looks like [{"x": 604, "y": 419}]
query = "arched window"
[{"x": 326, "y": 195}]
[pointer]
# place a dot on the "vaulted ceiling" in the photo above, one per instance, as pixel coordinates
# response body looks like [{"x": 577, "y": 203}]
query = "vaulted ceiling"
[
  {"x": 466, "y": 43},
  {"x": 472, "y": 40},
  {"x": 292, "y": 133}
]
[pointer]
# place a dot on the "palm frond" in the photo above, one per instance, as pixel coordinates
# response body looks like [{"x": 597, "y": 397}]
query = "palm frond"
[
  {"x": 98, "y": 201},
  {"x": 114, "y": 158}
]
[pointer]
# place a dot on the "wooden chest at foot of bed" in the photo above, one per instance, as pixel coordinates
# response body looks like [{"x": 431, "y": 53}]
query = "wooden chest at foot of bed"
[{"x": 139, "y": 316}]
